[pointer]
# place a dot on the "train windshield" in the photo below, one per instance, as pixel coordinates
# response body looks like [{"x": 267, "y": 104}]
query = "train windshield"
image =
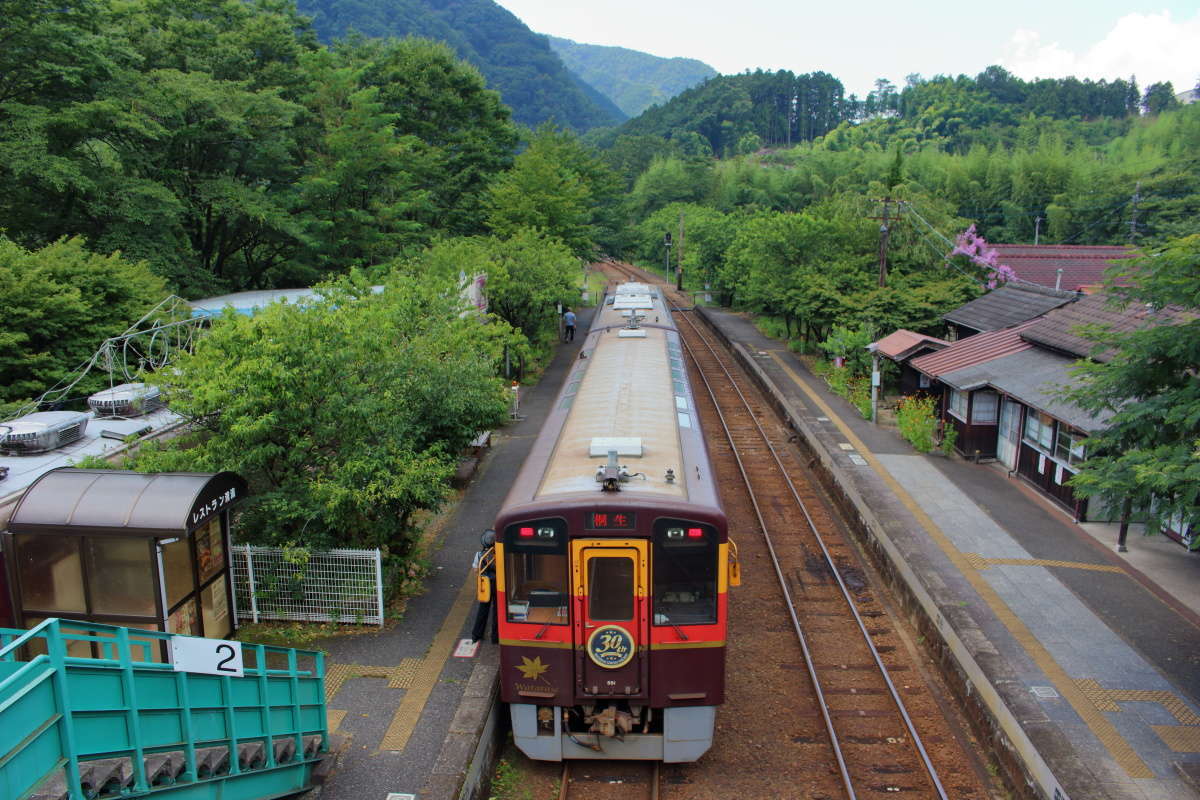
[
  {"x": 535, "y": 572},
  {"x": 685, "y": 573}
]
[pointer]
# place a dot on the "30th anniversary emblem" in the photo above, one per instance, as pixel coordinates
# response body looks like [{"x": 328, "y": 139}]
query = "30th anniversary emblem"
[{"x": 610, "y": 646}]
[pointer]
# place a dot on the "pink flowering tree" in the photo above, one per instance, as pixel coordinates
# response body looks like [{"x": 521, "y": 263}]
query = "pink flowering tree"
[{"x": 976, "y": 250}]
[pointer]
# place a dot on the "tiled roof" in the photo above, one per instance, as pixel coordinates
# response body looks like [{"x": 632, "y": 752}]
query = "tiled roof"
[
  {"x": 1035, "y": 378},
  {"x": 1060, "y": 329},
  {"x": 1008, "y": 305},
  {"x": 903, "y": 343},
  {"x": 973, "y": 350},
  {"x": 1082, "y": 266}
]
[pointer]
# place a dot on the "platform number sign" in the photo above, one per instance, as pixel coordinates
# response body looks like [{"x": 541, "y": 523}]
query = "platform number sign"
[{"x": 207, "y": 656}]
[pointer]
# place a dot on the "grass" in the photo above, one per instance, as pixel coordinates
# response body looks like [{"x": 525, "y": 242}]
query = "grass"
[
  {"x": 297, "y": 634},
  {"x": 596, "y": 281},
  {"x": 507, "y": 783}
]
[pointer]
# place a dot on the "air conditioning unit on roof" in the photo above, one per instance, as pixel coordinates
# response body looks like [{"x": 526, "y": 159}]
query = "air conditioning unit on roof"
[
  {"x": 126, "y": 400},
  {"x": 41, "y": 431}
]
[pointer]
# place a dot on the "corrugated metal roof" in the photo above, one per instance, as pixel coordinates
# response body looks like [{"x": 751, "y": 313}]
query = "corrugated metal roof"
[
  {"x": 902, "y": 343},
  {"x": 1082, "y": 266},
  {"x": 1034, "y": 377},
  {"x": 974, "y": 350},
  {"x": 1008, "y": 305},
  {"x": 1061, "y": 329}
]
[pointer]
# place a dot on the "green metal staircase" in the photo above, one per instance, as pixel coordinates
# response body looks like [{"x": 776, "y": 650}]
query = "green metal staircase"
[{"x": 91, "y": 711}]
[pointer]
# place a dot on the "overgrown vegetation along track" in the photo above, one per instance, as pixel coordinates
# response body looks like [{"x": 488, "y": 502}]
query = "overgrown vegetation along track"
[
  {"x": 831, "y": 722},
  {"x": 610, "y": 780}
]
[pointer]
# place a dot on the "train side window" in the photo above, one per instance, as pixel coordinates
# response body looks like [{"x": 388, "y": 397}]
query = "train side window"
[
  {"x": 685, "y": 576},
  {"x": 535, "y": 587}
]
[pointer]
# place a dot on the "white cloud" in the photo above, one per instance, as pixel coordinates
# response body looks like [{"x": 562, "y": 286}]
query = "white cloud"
[{"x": 1153, "y": 47}]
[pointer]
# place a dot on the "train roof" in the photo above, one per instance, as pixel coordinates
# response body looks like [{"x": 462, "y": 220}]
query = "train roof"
[{"x": 628, "y": 392}]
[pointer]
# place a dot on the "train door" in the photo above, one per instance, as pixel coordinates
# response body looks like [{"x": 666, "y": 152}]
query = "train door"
[{"x": 612, "y": 626}]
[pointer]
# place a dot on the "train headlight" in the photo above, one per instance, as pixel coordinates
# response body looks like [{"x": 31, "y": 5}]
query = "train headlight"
[
  {"x": 675, "y": 533},
  {"x": 545, "y": 533}
]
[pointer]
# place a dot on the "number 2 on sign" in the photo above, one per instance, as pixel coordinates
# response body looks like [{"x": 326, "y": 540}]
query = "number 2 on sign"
[{"x": 207, "y": 656}]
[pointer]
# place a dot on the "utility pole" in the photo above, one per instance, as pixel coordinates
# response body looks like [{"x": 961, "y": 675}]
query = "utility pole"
[
  {"x": 884, "y": 233},
  {"x": 1037, "y": 229},
  {"x": 679, "y": 258},
  {"x": 1137, "y": 195}
]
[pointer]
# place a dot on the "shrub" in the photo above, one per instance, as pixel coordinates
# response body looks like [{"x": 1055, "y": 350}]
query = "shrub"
[
  {"x": 949, "y": 437},
  {"x": 917, "y": 423}
]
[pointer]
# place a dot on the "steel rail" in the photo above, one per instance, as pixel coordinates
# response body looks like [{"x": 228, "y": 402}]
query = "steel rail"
[
  {"x": 916, "y": 739},
  {"x": 564, "y": 789}
]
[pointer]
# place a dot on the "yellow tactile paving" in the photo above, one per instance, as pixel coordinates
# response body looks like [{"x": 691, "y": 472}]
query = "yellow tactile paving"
[
  {"x": 333, "y": 718},
  {"x": 425, "y": 677},
  {"x": 983, "y": 562},
  {"x": 1107, "y": 699},
  {"x": 398, "y": 677},
  {"x": 1101, "y": 727},
  {"x": 1179, "y": 738}
]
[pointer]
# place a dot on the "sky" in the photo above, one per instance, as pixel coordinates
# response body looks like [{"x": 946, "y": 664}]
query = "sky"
[{"x": 858, "y": 42}]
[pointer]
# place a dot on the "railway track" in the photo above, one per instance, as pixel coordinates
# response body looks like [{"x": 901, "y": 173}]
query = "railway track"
[
  {"x": 610, "y": 780},
  {"x": 824, "y": 691},
  {"x": 872, "y": 738}
]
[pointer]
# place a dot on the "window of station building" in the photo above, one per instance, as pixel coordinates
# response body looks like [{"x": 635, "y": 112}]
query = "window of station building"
[
  {"x": 1039, "y": 429},
  {"x": 1069, "y": 447},
  {"x": 684, "y": 574},
  {"x": 177, "y": 570},
  {"x": 958, "y": 404},
  {"x": 51, "y": 573},
  {"x": 610, "y": 588},
  {"x": 984, "y": 408},
  {"x": 120, "y": 575}
]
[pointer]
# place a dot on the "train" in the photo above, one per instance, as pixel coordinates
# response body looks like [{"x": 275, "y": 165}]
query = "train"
[{"x": 612, "y": 559}]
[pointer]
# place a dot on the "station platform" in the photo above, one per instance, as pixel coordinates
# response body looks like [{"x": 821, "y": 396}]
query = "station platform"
[{"x": 1083, "y": 663}]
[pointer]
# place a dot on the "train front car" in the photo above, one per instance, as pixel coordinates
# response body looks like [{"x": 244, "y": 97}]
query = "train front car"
[{"x": 613, "y": 559}]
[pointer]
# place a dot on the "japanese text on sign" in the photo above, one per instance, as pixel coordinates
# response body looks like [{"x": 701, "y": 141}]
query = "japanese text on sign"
[{"x": 613, "y": 520}]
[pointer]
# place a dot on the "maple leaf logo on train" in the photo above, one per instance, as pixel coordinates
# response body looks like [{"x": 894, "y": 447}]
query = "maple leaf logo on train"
[{"x": 532, "y": 669}]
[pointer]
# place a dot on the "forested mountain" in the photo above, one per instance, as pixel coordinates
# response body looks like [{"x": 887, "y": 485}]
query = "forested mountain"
[
  {"x": 515, "y": 61},
  {"x": 740, "y": 113},
  {"x": 632, "y": 79}
]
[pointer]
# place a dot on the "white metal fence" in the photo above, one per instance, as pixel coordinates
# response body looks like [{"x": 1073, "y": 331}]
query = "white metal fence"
[{"x": 330, "y": 586}]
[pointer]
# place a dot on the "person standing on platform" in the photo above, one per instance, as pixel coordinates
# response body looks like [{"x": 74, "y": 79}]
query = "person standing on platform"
[
  {"x": 485, "y": 561},
  {"x": 569, "y": 323}
]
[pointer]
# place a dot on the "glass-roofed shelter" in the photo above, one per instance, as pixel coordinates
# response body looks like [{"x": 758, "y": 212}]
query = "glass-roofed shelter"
[{"x": 139, "y": 550}]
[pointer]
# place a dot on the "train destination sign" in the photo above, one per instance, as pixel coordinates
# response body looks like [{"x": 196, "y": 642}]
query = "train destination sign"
[
  {"x": 612, "y": 520},
  {"x": 611, "y": 646}
]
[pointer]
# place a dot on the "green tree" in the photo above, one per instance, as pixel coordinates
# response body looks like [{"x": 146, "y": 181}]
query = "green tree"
[
  {"x": 528, "y": 275},
  {"x": 57, "y": 305},
  {"x": 464, "y": 135},
  {"x": 1159, "y": 97},
  {"x": 361, "y": 195},
  {"x": 1147, "y": 459},
  {"x": 345, "y": 414},
  {"x": 551, "y": 188}
]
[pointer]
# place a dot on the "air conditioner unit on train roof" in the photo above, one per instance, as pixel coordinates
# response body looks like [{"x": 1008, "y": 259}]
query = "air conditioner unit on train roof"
[
  {"x": 623, "y": 445},
  {"x": 42, "y": 431}
]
